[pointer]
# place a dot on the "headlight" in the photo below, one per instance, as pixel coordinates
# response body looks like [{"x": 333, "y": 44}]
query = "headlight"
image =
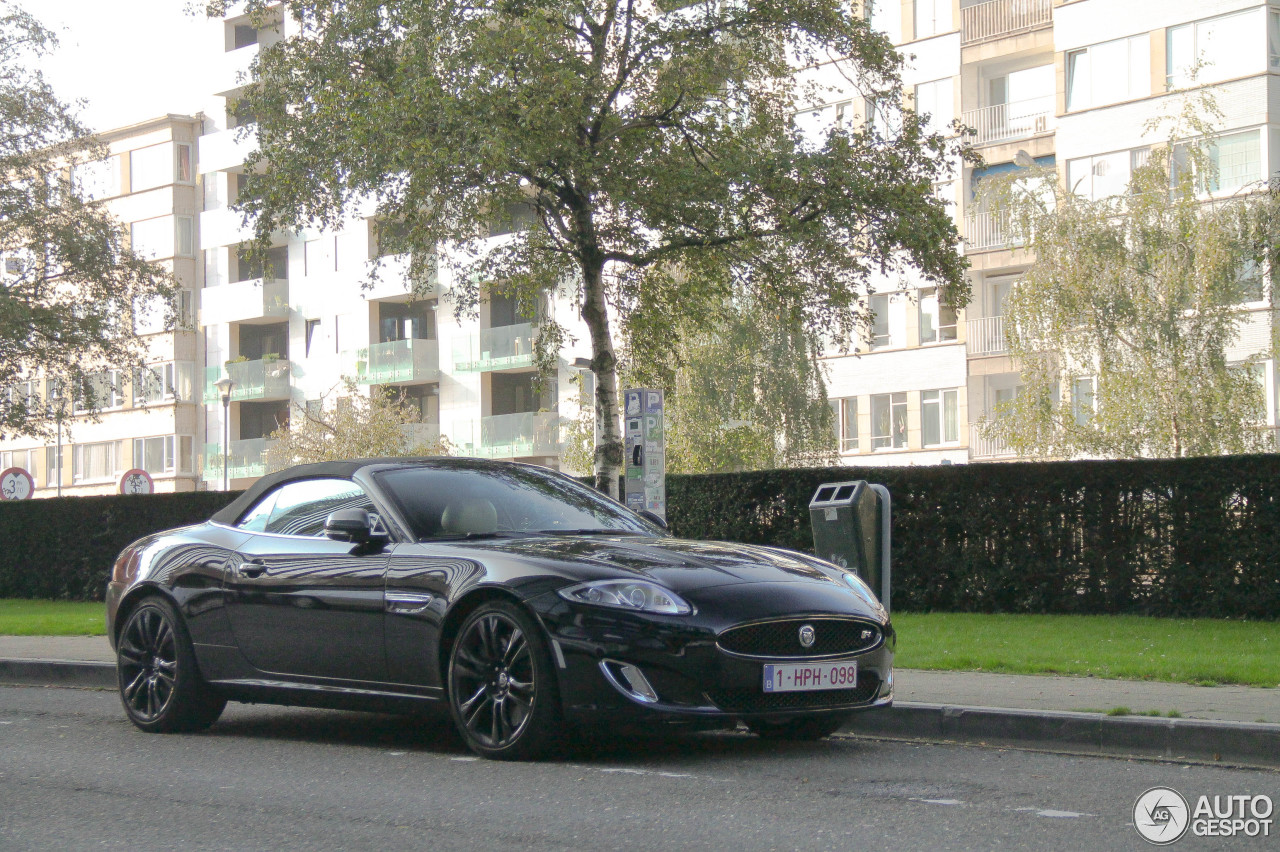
[
  {"x": 862, "y": 589},
  {"x": 628, "y": 594}
]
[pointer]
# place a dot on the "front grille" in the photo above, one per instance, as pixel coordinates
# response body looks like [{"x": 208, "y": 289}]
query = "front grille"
[
  {"x": 833, "y": 637},
  {"x": 757, "y": 701}
]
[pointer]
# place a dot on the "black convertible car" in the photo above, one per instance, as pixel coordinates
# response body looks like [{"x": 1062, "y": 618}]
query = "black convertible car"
[{"x": 523, "y": 599}]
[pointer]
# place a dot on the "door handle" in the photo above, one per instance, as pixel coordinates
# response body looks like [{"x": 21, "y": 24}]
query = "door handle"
[{"x": 250, "y": 568}]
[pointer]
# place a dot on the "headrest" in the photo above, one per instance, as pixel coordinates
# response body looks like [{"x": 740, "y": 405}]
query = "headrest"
[{"x": 469, "y": 515}]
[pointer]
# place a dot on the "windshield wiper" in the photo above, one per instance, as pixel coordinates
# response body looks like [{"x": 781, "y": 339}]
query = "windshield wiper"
[
  {"x": 472, "y": 536},
  {"x": 590, "y": 531}
]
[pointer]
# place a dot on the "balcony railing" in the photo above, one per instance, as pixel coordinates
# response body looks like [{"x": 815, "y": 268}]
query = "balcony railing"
[
  {"x": 502, "y": 348},
  {"x": 509, "y": 436},
  {"x": 982, "y": 447},
  {"x": 265, "y": 379},
  {"x": 257, "y": 298},
  {"x": 398, "y": 362},
  {"x": 989, "y": 229},
  {"x": 244, "y": 458},
  {"x": 997, "y": 18},
  {"x": 985, "y": 336},
  {"x": 1007, "y": 122}
]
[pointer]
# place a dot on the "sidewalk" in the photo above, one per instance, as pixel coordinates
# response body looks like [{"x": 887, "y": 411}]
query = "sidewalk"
[{"x": 1234, "y": 724}]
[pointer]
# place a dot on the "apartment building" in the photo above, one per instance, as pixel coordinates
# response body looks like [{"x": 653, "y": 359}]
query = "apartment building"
[
  {"x": 288, "y": 332},
  {"x": 149, "y": 420},
  {"x": 1068, "y": 84}
]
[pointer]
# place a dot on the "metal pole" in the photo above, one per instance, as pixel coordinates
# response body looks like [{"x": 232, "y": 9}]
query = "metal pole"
[
  {"x": 57, "y": 461},
  {"x": 226, "y": 438}
]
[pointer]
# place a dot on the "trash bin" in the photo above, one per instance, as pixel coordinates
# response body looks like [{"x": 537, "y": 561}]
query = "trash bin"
[{"x": 851, "y": 528}]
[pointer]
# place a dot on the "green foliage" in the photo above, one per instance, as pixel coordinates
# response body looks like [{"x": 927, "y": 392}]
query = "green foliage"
[
  {"x": 1142, "y": 294},
  {"x": 63, "y": 548},
  {"x": 656, "y": 151},
  {"x": 356, "y": 426},
  {"x": 744, "y": 390},
  {"x": 52, "y": 618},
  {"x": 1187, "y": 537},
  {"x": 70, "y": 283}
]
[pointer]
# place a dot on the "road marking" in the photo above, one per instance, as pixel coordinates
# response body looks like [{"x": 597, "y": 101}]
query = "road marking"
[
  {"x": 951, "y": 802},
  {"x": 1050, "y": 813},
  {"x": 628, "y": 771},
  {"x": 465, "y": 759}
]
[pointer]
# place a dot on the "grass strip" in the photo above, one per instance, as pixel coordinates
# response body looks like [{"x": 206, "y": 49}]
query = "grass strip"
[
  {"x": 51, "y": 618},
  {"x": 1199, "y": 651}
]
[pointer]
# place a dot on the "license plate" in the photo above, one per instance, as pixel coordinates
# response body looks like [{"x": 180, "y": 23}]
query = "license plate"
[{"x": 807, "y": 677}]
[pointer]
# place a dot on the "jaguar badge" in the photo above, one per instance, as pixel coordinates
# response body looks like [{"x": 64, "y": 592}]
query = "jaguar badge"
[{"x": 807, "y": 636}]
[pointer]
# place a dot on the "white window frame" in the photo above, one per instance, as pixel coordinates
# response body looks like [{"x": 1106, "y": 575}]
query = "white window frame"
[
  {"x": 166, "y": 451},
  {"x": 931, "y": 307},
  {"x": 891, "y": 404},
  {"x": 1197, "y": 34},
  {"x": 78, "y": 451},
  {"x": 934, "y": 408},
  {"x": 114, "y": 399},
  {"x": 844, "y": 412},
  {"x": 1081, "y": 414},
  {"x": 1137, "y": 66}
]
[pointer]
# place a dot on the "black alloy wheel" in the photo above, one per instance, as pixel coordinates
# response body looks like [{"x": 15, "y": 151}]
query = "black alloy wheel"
[
  {"x": 799, "y": 728},
  {"x": 160, "y": 685},
  {"x": 502, "y": 692}
]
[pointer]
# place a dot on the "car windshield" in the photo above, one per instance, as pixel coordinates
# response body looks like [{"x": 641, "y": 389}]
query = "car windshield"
[{"x": 444, "y": 503}]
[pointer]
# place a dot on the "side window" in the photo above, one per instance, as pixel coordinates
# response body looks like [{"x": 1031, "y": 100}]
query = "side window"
[
  {"x": 256, "y": 518},
  {"x": 301, "y": 507}
]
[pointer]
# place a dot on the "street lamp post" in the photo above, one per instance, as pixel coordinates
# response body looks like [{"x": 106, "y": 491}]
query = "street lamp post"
[{"x": 224, "y": 386}]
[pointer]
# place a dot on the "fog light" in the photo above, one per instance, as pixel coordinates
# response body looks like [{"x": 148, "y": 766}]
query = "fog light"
[{"x": 630, "y": 681}]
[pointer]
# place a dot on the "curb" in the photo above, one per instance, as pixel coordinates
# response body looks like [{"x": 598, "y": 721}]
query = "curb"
[
  {"x": 1200, "y": 740},
  {"x": 58, "y": 673}
]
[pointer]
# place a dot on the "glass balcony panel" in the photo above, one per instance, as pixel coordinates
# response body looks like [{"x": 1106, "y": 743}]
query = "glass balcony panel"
[
  {"x": 265, "y": 379},
  {"x": 502, "y": 348},
  {"x": 244, "y": 458},
  {"x": 507, "y": 436},
  {"x": 398, "y": 361}
]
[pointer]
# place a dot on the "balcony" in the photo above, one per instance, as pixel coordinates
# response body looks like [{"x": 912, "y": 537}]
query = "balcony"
[
  {"x": 244, "y": 459},
  {"x": 223, "y": 226},
  {"x": 1009, "y": 122},
  {"x": 505, "y": 348},
  {"x": 997, "y": 18},
  {"x": 254, "y": 380},
  {"x": 982, "y": 447},
  {"x": 985, "y": 336},
  {"x": 990, "y": 229},
  {"x": 245, "y": 301},
  {"x": 509, "y": 436},
  {"x": 225, "y": 149},
  {"x": 398, "y": 362},
  {"x": 230, "y": 70}
]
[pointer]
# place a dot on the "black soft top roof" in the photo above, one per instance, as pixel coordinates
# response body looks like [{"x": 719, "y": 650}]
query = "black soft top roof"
[{"x": 345, "y": 469}]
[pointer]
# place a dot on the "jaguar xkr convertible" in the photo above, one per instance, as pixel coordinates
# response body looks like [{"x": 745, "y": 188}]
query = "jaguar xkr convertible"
[{"x": 524, "y": 601}]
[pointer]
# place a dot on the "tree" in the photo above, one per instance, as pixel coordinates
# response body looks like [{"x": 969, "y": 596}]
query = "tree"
[
  {"x": 354, "y": 427},
  {"x": 69, "y": 285},
  {"x": 745, "y": 392},
  {"x": 657, "y": 151},
  {"x": 1122, "y": 324}
]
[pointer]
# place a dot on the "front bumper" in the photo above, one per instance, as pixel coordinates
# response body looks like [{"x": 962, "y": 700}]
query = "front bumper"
[{"x": 686, "y": 677}]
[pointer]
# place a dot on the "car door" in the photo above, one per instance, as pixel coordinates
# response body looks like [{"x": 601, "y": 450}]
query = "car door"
[{"x": 302, "y": 604}]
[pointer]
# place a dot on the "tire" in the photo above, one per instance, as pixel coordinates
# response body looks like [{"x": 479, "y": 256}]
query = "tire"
[
  {"x": 800, "y": 728},
  {"x": 160, "y": 684},
  {"x": 502, "y": 687}
]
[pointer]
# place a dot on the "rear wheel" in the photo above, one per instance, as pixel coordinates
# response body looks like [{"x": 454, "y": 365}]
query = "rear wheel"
[
  {"x": 160, "y": 685},
  {"x": 800, "y": 728},
  {"x": 502, "y": 691}
]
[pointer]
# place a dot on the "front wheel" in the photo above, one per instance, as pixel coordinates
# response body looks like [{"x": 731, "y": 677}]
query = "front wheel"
[
  {"x": 160, "y": 685},
  {"x": 502, "y": 691},
  {"x": 799, "y": 729}
]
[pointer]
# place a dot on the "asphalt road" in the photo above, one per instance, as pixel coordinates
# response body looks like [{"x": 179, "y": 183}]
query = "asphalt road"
[{"x": 75, "y": 775}]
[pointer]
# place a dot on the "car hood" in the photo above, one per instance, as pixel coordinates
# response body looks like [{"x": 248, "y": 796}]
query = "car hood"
[{"x": 679, "y": 564}]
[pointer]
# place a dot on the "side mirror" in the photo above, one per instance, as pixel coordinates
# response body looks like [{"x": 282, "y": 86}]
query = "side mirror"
[
  {"x": 353, "y": 525},
  {"x": 652, "y": 518}
]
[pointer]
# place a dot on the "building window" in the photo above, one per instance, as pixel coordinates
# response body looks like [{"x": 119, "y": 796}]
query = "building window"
[
  {"x": 937, "y": 321},
  {"x": 937, "y": 101},
  {"x": 844, "y": 414},
  {"x": 1104, "y": 175},
  {"x": 1235, "y": 160},
  {"x": 940, "y": 417},
  {"x": 888, "y": 321},
  {"x": 25, "y": 459},
  {"x": 95, "y": 462},
  {"x": 1273, "y": 38},
  {"x": 185, "y": 235},
  {"x": 1225, "y": 47},
  {"x": 886, "y": 17},
  {"x": 153, "y": 166},
  {"x": 932, "y": 17},
  {"x": 100, "y": 390},
  {"x": 154, "y": 238},
  {"x": 888, "y": 421},
  {"x": 154, "y": 455},
  {"x": 312, "y": 326},
  {"x": 1083, "y": 400},
  {"x": 1108, "y": 73},
  {"x": 96, "y": 180}
]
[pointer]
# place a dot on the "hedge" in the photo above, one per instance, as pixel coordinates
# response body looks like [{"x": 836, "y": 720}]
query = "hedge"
[{"x": 1183, "y": 537}]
